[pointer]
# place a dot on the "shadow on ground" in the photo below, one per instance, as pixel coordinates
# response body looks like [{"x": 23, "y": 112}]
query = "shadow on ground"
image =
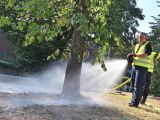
[
  {"x": 12, "y": 110},
  {"x": 41, "y": 112}
]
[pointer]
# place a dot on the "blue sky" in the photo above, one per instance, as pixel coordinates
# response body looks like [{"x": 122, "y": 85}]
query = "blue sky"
[{"x": 149, "y": 9}]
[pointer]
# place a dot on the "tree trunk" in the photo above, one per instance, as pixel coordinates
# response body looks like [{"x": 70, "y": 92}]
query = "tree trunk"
[
  {"x": 110, "y": 52},
  {"x": 71, "y": 86},
  {"x": 73, "y": 72}
]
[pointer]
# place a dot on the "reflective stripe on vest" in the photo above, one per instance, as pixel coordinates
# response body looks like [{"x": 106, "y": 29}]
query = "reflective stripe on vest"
[{"x": 143, "y": 62}]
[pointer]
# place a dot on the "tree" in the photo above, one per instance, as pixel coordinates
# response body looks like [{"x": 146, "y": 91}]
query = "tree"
[
  {"x": 70, "y": 23},
  {"x": 155, "y": 39},
  {"x": 122, "y": 23}
]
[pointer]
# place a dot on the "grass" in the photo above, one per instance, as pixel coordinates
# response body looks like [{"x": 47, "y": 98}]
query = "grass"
[{"x": 149, "y": 111}]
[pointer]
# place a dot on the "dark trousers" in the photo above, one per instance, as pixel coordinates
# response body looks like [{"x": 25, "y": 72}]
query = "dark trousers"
[
  {"x": 138, "y": 79},
  {"x": 146, "y": 87}
]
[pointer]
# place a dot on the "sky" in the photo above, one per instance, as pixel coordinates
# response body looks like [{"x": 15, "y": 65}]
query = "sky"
[{"x": 149, "y": 9}]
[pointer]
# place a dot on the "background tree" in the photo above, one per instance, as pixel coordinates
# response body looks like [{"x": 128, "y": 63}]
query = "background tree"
[
  {"x": 121, "y": 24},
  {"x": 155, "y": 39}
]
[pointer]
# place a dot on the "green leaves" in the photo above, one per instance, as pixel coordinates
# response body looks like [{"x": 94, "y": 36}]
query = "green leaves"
[
  {"x": 10, "y": 3},
  {"x": 54, "y": 55},
  {"x": 4, "y": 21},
  {"x": 29, "y": 41},
  {"x": 51, "y": 23},
  {"x": 21, "y": 25}
]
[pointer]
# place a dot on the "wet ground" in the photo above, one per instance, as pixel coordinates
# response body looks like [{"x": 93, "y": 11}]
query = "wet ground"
[
  {"x": 40, "y": 106},
  {"x": 44, "y": 107},
  {"x": 47, "y": 106}
]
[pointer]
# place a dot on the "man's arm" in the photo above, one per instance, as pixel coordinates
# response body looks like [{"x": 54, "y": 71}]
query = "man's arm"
[
  {"x": 148, "y": 51},
  {"x": 142, "y": 55}
]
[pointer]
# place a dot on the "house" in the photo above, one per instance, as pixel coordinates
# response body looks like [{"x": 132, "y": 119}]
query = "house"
[
  {"x": 7, "y": 56},
  {"x": 5, "y": 46}
]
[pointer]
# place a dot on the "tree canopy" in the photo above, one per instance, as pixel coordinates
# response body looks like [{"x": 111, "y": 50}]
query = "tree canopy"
[{"x": 47, "y": 26}]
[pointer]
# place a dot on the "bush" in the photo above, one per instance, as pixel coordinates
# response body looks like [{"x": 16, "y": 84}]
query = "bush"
[{"x": 155, "y": 83}]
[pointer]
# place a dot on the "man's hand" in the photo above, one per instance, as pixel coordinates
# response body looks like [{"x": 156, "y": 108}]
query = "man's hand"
[
  {"x": 131, "y": 55},
  {"x": 130, "y": 58}
]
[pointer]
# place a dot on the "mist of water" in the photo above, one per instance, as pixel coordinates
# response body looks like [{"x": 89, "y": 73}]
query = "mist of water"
[
  {"x": 93, "y": 79},
  {"x": 47, "y": 81}
]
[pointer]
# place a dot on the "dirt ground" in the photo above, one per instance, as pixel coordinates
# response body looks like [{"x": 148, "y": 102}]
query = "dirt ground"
[
  {"x": 24, "y": 107},
  {"x": 149, "y": 111}
]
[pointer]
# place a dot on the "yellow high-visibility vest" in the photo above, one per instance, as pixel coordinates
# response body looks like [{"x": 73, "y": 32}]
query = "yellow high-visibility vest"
[
  {"x": 158, "y": 57},
  {"x": 151, "y": 67},
  {"x": 143, "y": 62},
  {"x": 152, "y": 58}
]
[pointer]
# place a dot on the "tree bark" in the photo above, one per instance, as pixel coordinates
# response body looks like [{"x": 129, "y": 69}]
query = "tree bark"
[
  {"x": 110, "y": 52},
  {"x": 71, "y": 85},
  {"x": 73, "y": 72}
]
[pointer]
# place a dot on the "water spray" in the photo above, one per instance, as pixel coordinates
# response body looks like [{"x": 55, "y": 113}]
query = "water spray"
[{"x": 43, "y": 87}]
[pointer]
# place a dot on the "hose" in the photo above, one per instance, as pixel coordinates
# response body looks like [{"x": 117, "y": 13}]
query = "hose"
[{"x": 118, "y": 86}]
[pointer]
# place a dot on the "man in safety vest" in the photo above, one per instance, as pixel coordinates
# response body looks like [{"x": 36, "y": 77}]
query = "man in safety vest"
[
  {"x": 140, "y": 65},
  {"x": 153, "y": 59}
]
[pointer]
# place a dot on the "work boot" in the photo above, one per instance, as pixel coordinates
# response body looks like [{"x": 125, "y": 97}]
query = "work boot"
[
  {"x": 132, "y": 105},
  {"x": 143, "y": 100}
]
